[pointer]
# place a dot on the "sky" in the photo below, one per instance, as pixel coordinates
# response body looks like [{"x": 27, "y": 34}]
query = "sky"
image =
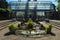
[{"x": 53, "y": 1}]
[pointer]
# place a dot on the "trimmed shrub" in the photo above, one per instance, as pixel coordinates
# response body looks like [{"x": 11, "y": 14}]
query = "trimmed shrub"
[
  {"x": 30, "y": 21},
  {"x": 48, "y": 28},
  {"x": 13, "y": 27},
  {"x": 30, "y": 24}
]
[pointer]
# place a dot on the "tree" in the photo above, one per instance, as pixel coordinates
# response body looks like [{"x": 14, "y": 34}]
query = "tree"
[
  {"x": 58, "y": 6},
  {"x": 6, "y": 13},
  {"x": 3, "y": 4},
  {"x": 58, "y": 0}
]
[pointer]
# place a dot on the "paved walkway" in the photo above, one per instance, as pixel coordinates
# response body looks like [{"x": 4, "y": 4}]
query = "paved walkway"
[
  {"x": 14, "y": 37},
  {"x": 55, "y": 31},
  {"x": 4, "y": 21},
  {"x": 55, "y": 20}
]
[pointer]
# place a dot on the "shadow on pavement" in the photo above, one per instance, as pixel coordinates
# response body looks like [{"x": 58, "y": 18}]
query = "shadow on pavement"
[
  {"x": 9, "y": 33},
  {"x": 52, "y": 34}
]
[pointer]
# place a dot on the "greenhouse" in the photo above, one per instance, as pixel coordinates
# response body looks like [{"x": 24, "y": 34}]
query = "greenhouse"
[{"x": 32, "y": 9}]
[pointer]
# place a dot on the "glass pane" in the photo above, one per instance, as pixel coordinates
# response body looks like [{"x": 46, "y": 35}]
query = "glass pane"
[
  {"x": 43, "y": 6},
  {"x": 12, "y": 7},
  {"x": 23, "y": 0},
  {"x": 21, "y": 7},
  {"x": 52, "y": 7},
  {"x": 41, "y": 13},
  {"x": 32, "y": 5},
  {"x": 30, "y": 12},
  {"x": 20, "y": 14},
  {"x": 18, "y": 5}
]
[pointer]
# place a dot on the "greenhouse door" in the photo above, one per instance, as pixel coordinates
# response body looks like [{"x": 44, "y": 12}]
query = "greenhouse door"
[
  {"x": 30, "y": 14},
  {"x": 40, "y": 15},
  {"x": 20, "y": 15}
]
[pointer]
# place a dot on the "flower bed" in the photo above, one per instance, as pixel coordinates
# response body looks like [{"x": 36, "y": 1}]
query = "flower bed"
[{"x": 31, "y": 29}]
